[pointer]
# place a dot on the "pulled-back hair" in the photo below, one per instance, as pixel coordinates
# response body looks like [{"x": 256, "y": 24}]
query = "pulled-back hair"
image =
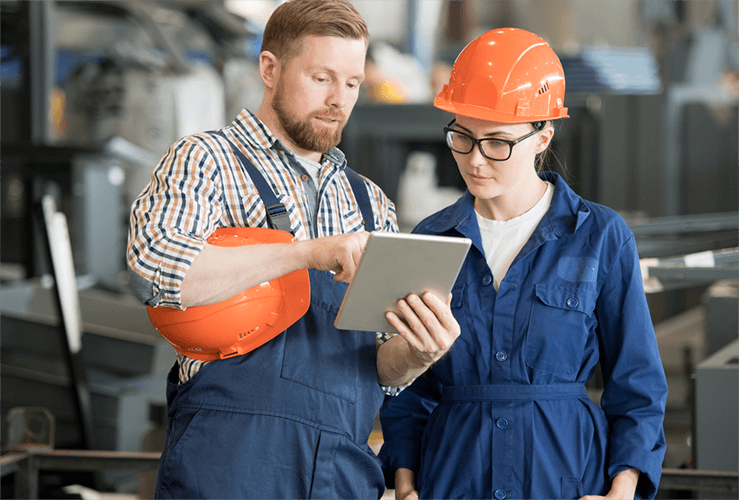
[{"x": 295, "y": 19}]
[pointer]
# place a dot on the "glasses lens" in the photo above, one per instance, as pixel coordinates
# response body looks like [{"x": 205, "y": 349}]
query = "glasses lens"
[
  {"x": 459, "y": 143},
  {"x": 495, "y": 150}
]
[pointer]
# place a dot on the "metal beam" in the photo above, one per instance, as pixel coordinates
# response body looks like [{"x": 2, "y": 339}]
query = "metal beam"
[
  {"x": 700, "y": 480},
  {"x": 685, "y": 224}
]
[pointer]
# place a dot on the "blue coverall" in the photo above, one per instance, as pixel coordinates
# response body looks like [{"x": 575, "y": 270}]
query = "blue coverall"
[{"x": 505, "y": 413}]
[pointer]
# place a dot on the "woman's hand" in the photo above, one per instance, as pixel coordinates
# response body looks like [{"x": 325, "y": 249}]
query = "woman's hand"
[
  {"x": 622, "y": 487},
  {"x": 404, "y": 487}
]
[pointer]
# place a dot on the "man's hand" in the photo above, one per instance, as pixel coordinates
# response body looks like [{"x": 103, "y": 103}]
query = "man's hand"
[
  {"x": 339, "y": 254},
  {"x": 429, "y": 327},
  {"x": 427, "y": 333}
]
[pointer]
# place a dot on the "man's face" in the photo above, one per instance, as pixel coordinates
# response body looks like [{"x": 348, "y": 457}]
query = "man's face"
[{"x": 317, "y": 90}]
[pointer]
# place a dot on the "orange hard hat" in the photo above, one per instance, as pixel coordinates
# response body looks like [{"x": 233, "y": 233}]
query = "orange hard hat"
[
  {"x": 245, "y": 321},
  {"x": 506, "y": 75}
]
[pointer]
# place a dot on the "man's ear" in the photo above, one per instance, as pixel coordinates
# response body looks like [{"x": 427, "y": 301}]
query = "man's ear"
[{"x": 269, "y": 68}]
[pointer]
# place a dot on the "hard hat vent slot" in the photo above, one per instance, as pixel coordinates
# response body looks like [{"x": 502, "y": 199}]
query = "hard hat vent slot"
[
  {"x": 246, "y": 334},
  {"x": 543, "y": 89}
]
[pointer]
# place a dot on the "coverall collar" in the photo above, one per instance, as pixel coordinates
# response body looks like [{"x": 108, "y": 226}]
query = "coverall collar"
[{"x": 566, "y": 214}]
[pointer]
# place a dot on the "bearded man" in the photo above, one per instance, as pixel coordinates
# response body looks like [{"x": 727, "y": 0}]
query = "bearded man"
[{"x": 291, "y": 418}]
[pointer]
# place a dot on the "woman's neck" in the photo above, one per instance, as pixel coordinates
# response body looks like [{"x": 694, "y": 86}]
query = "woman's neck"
[{"x": 513, "y": 203}]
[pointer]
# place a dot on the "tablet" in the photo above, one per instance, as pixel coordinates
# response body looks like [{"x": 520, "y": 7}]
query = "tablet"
[{"x": 394, "y": 265}]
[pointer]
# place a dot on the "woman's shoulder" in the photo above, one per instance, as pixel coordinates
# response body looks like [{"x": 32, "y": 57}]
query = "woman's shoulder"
[
  {"x": 445, "y": 219},
  {"x": 606, "y": 219}
]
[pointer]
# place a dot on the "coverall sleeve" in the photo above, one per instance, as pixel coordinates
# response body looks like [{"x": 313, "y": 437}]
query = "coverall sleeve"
[
  {"x": 404, "y": 418},
  {"x": 635, "y": 388},
  {"x": 170, "y": 221}
]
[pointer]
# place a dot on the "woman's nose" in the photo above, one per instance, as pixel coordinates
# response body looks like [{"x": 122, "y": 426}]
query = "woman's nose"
[{"x": 475, "y": 156}]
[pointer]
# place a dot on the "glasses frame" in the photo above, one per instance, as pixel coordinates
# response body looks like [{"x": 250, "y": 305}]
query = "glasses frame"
[{"x": 448, "y": 129}]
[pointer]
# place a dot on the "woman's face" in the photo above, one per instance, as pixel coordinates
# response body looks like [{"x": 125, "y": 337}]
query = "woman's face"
[{"x": 490, "y": 179}]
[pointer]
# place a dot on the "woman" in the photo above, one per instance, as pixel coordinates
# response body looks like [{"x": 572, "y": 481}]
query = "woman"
[{"x": 550, "y": 289}]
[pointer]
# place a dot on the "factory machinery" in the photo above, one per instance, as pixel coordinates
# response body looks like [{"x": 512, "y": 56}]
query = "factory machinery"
[{"x": 87, "y": 113}]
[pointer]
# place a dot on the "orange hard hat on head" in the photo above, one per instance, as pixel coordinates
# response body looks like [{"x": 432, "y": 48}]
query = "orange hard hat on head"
[
  {"x": 245, "y": 321},
  {"x": 506, "y": 75}
]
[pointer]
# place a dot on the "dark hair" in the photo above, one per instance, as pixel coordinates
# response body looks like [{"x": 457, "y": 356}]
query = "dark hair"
[{"x": 295, "y": 19}]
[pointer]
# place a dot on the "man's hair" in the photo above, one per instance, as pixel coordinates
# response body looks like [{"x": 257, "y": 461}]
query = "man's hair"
[{"x": 295, "y": 19}]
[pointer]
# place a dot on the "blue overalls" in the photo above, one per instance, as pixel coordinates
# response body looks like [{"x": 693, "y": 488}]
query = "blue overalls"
[{"x": 290, "y": 419}]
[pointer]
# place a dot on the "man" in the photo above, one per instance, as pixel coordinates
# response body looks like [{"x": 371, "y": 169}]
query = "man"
[{"x": 290, "y": 419}]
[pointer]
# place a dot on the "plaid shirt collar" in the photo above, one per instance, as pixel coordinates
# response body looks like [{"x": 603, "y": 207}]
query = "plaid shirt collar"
[{"x": 252, "y": 130}]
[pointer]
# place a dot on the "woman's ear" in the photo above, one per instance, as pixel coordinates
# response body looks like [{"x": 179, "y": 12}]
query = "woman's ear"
[
  {"x": 269, "y": 68},
  {"x": 545, "y": 138}
]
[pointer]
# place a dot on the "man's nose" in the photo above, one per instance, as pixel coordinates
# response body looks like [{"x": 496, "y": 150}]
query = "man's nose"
[{"x": 337, "y": 96}]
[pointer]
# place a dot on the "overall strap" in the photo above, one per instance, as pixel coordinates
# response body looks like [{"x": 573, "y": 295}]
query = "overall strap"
[
  {"x": 360, "y": 192},
  {"x": 277, "y": 216}
]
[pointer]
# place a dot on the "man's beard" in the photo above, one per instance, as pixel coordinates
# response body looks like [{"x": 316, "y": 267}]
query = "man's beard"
[{"x": 302, "y": 132}]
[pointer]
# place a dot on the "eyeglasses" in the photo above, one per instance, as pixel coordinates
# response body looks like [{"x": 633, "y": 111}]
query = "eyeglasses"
[{"x": 492, "y": 149}]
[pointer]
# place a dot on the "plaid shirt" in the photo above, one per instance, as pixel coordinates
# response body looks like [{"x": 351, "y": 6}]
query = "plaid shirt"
[{"x": 199, "y": 186}]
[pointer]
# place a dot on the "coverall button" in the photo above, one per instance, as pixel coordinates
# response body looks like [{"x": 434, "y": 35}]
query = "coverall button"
[
  {"x": 487, "y": 280},
  {"x": 304, "y": 177},
  {"x": 572, "y": 302},
  {"x": 499, "y": 494},
  {"x": 501, "y": 423},
  {"x": 501, "y": 355}
]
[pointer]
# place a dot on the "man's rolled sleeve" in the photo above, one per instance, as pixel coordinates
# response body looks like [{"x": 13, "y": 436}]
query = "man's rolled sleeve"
[{"x": 170, "y": 221}]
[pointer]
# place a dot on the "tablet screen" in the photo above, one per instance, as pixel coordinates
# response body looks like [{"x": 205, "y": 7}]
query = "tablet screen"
[{"x": 394, "y": 265}]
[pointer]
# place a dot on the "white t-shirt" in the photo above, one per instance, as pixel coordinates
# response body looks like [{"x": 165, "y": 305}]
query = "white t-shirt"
[{"x": 502, "y": 240}]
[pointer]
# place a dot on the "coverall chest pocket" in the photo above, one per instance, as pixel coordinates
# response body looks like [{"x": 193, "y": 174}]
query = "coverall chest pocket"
[
  {"x": 335, "y": 362},
  {"x": 558, "y": 328}
]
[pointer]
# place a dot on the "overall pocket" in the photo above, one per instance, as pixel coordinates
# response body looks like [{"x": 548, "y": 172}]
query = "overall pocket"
[
  {"x": 335, "y": 362},
  {"x": 559, "y": 325}
]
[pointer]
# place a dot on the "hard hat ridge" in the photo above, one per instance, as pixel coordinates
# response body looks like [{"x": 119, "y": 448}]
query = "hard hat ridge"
[{"x": 506, "y": 75}]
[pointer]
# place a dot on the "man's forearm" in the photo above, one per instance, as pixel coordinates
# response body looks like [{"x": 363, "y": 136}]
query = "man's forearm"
[
  {"x": 218, "y": 273},
  {"x": 396, "y": 365}
]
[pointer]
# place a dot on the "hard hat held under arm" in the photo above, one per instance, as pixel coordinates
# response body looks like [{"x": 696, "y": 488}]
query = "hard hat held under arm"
[
  {"x": 245, "y": 321},
  {"x": 506, "y": 75}
]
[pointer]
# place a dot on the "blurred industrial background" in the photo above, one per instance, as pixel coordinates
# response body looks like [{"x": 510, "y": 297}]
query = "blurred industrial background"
[{"x": 94, "y": 92}]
